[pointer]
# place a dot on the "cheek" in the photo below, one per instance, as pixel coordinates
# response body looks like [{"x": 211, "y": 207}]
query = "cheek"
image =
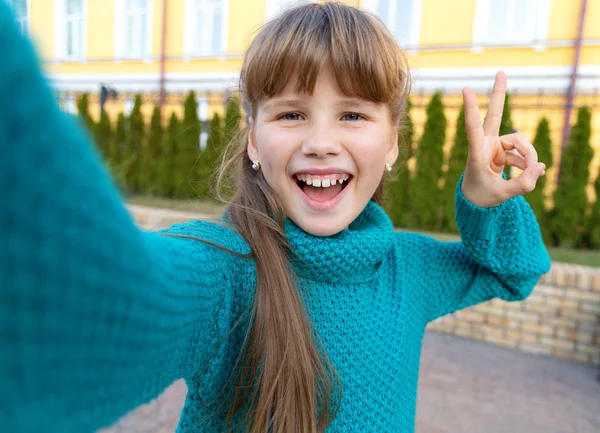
[
  {"x": 274, "y": 155},
  {"x": 369, "y": 151}
]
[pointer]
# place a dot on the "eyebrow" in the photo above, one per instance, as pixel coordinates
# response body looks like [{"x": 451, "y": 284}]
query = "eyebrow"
[{"x": 352, "y": 102}]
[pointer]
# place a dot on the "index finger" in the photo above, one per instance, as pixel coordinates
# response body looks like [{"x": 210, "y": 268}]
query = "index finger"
[{"x": 493, "y": 117}]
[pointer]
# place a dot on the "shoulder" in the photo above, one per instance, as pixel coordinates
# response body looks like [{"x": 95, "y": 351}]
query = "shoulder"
[{"x": 212, "y": 232}]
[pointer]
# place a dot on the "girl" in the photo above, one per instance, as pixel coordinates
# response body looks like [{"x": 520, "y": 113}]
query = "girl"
[{"x": 302, "y": 310}]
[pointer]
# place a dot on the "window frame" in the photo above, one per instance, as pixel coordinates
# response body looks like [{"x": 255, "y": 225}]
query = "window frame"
[
  {"x": 273, "y": 7},
  {"x": 61, "y": 20},
  {"x": 412, "y": 45},
  {"x": 190, "y": 31},
  {"x": 482, "y": 18},
  {"x": 120, "y": 30}
]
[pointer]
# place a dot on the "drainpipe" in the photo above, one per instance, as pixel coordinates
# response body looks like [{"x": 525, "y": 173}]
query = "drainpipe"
[
  {"x": 571, "y": 91},
  {"x": 163, "y": 43}
]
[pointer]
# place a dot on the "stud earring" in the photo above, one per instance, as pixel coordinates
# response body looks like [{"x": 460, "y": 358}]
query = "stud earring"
[
  {"x": 388, "y": 167},
  {"x": 255, "y": 165}
]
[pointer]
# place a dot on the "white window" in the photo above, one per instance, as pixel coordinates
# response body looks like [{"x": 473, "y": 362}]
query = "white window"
[
  {"x": 205, "y": 27},
  {"x": 276, "y": 6},
  {"x": 133, "y": 29},
  {"x": 21, "y": 10},
  {"x": 69, "y": 104},
  {"x": 511, "y": 22},
  {"x": 128, "y": 107},
  {"x": 202, "y": 110},
  {"x": 203, "y": 139},
  {"x": 70, "y": 29},
  {"x": 402, "y": 17}
]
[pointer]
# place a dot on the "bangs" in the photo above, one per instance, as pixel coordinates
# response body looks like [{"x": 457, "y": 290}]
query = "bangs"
[{"x": 366, "y": 60}]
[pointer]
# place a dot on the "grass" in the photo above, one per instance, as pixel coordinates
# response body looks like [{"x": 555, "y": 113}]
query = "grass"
[
  {"x": 557, "y": 254},
  {"x": 196, "y": 206}
]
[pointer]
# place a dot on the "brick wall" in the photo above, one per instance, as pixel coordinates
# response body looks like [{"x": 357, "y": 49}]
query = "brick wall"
[{"x": 561, "y": 318}]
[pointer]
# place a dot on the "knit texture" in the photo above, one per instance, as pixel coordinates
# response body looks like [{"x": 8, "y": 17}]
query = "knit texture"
[{"x": 98, "y": 317}]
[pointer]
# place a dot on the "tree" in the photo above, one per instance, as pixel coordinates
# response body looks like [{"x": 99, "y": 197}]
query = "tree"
[
  {"x": 456, "y": 166},
  {"x": 103, "y": 136},
  {"x": 232, "y": 119},
  {"x": 591, "y": 238},
  {"x": 506, "y": 127},
  {"x": 396, "y": 192},
  {"x": 118, "y": 146},
  {"x": 185, "y": 176},
  {"x": 536, "y": 198},
  {"x": 570, "y": 197},
  {"x": 118, "y": 165},
  {"x": 165, "y": 168},
  {"x": 134, "y": 145},
  {"x": 425, "y": 194},
  {"x": 209, "y": 159},
  {"x": 151, "y": 152},
  {"x": 83, "y": 112}
]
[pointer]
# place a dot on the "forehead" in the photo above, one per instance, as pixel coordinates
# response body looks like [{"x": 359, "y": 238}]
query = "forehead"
[
  {"x": 284, "y": 101},
  {"x": 326, "y": 88}
]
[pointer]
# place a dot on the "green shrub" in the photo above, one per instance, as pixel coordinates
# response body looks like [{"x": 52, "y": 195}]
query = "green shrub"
[
  {"x": 570, "y": 197},
  {"x": 425, "y": 194}
]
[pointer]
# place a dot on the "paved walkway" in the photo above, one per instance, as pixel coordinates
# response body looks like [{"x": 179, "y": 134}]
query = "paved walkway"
[{"x": 465, "y": 387}]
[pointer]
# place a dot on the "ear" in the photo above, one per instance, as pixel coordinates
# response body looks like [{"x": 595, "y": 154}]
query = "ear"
[
  {"x": 391, "y": 154},
  {"x": 252, "y": 149}
]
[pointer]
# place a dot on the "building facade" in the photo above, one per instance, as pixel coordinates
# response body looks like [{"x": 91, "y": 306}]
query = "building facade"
[{"x": 129, "y": 45}]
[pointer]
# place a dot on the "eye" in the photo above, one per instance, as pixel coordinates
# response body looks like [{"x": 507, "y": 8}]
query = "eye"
[
  {"x": 289, "y": 116},
  {"x": 354, "y": 116}
]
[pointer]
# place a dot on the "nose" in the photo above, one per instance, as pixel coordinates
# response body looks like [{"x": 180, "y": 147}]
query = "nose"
[{"x": 321, "y": 142}]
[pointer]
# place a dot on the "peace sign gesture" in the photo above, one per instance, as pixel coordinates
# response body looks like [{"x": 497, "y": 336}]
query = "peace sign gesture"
[{"x": 483, "y": 184}]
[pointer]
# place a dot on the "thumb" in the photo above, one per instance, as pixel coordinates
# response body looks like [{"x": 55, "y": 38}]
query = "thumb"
[{"x": 526, "y": 181}]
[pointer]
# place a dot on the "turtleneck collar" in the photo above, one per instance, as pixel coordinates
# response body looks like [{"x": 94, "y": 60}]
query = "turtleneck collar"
[{"x": 350, "y": 256}]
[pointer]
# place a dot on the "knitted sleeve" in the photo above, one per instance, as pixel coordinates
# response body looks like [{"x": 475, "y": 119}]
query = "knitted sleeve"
[
  {"x": 501, "y": 255},
  {"x": 96, "y": 316}
]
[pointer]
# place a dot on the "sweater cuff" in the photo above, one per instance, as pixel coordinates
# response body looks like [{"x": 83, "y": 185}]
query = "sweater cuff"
[{"x": 474, "y": 221}]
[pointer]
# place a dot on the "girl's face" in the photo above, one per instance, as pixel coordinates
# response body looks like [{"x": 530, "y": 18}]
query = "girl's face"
[{"x": 324, "y": 155}]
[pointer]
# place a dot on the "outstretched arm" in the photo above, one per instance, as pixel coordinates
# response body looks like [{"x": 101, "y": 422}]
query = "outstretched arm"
[{"x": 96, "y": 316}]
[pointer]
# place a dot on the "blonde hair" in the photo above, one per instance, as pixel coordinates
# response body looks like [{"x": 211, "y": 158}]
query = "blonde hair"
[{"x": 287, "y": 380}]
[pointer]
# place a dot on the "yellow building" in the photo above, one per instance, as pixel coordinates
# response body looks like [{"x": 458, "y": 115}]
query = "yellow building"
[{"x": 449, "y": 45}]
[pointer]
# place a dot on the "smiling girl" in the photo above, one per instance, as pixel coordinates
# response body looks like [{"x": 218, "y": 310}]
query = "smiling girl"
[{"x": 302, "y": 310}]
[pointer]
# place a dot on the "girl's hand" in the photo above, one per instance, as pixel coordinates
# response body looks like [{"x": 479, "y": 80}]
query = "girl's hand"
[{"x": 483, "y": 184}]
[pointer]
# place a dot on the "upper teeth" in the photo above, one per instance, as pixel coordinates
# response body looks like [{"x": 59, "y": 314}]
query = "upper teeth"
[{"x": 323, "y": 181}]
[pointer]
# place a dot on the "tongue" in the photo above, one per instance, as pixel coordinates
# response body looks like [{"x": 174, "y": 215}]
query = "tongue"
[{"x": 322, "y": 194}]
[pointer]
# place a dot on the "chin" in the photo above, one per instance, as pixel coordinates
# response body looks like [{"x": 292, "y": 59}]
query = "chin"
[{"x": 322, "y": 229}]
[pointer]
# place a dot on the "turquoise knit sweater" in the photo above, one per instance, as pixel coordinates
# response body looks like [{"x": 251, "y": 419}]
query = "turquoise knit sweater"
[{"x": 98, "y": 316}]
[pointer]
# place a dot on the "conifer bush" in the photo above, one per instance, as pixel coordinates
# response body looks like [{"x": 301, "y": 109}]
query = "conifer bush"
[
  {"x": 209, "y": 159},
  {"x": 103, "y": 136},
  {"x": 456, "y": 166},
  {"x": 165, "y": 167},
  {"x": 425, "y": 194},
  {"x": 506, "y": 127},
  {"x": 134, "y": 146},
  {"x": 83, "y": 112},
  {"x": 233, "y": 118},
  {"x": 185, "y": 178},
  {"x": 536, "y": 199},
  {"x": 570, "y": 198},
  {"x": 396, "y": 192},
  {"x": 151, "y": 153}
]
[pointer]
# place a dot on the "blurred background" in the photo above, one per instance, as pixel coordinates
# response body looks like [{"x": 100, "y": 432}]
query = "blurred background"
[{"x": 155, "y": 83}]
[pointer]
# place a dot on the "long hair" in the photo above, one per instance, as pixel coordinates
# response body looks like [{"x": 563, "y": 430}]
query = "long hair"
[{"x": 286, "y": 381}]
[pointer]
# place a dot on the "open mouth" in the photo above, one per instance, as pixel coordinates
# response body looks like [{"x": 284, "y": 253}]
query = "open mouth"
[{"x": 322, "y": 188}]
